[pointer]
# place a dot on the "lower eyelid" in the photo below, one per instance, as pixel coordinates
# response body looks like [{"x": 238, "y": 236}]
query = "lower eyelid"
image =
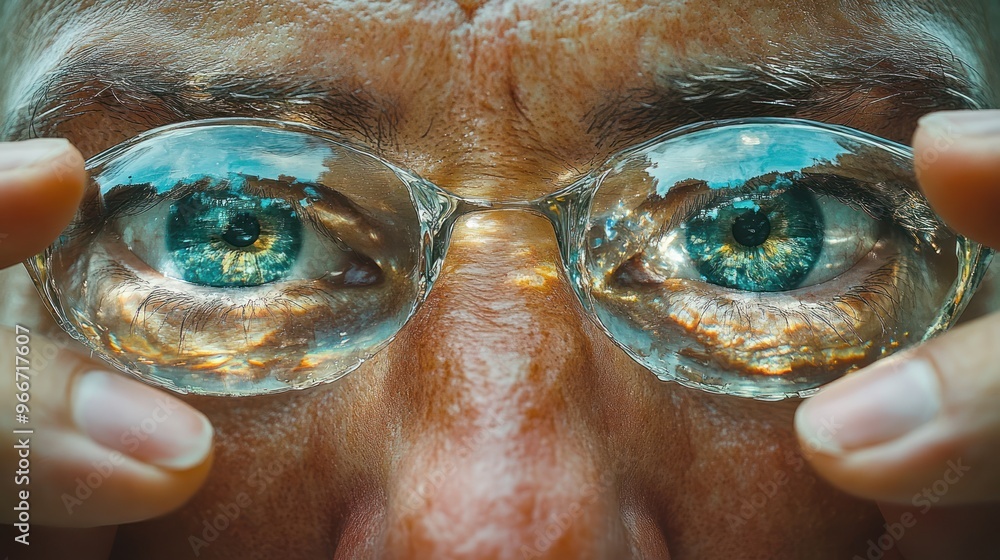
[
  {"x": 163, "y": 320},
  {"x": 846, "y": 323}
]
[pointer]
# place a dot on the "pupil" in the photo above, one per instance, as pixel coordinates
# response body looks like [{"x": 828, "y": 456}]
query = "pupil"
[
  {"x": 752, "y": 228},
  {"x": 243, "y": 230}
]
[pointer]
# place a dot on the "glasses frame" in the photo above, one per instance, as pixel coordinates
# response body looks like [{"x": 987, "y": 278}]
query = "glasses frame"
[{"x": 567, "y": 209}]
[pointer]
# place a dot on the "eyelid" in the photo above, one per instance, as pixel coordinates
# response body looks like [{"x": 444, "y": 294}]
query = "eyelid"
[
  {"x": 128, "y": 200},
  {"x": 881, "y": 200}
]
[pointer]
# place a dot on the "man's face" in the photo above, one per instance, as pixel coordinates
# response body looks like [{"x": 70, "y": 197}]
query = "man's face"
[{"x": 501, "y": 422}]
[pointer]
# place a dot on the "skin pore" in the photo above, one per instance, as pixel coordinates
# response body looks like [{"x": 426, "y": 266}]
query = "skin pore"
[{"x": 501, "y": 423}]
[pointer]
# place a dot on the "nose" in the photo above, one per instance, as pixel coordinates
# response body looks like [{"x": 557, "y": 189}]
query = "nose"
[{"x": 503, "y": 455}]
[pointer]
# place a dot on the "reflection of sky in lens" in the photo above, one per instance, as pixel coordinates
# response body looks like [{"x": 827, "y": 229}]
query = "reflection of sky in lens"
[
  {"x": 219, "y": 151},
  {"x": 729, "y": 156}
]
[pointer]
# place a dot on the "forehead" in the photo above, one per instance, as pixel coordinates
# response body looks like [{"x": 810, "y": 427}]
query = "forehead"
[{"x": 490, "y": 89}]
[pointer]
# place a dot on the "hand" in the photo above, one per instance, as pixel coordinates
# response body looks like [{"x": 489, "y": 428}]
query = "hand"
[
  {"x": 105, "y": 449},
  {"x": 920, "y": 433}
]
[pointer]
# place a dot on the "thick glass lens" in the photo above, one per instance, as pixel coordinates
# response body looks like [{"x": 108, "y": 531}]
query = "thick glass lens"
[
  {"x": 766, "y": 258},
  {"x": 237, "y": 257}
]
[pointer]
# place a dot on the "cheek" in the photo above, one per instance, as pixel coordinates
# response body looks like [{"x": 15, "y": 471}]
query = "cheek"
[{"x": 723, "y": 477}]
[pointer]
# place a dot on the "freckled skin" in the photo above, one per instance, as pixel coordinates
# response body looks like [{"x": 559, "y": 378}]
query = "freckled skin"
[{"x": 501, "y": 423}]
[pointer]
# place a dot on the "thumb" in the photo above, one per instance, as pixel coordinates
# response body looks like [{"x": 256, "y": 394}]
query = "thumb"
[
  {"x": 958, "y": 166},
  {"x": 41, "y": 184},
  {"x": 923, "y": 428},
  {"x": 89, "y": 448}
]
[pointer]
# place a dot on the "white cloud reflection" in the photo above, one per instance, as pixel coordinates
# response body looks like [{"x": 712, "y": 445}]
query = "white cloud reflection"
[
  {"x": 727, "y": 157},
  {"x": 219, "y": 151}
]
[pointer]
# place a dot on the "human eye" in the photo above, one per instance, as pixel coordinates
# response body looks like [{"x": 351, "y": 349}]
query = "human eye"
[
  {"x": 766, "y": 258},
  {"x": 239, "y": 231},
  {"x": 237, "y": 257},
  {"x": 775, "y": 233}
]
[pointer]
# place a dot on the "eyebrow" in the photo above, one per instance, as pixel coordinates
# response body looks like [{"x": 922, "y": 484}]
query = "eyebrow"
[
  {"x": 891, "y": 89},
  {"x": 145, "y": 93}
]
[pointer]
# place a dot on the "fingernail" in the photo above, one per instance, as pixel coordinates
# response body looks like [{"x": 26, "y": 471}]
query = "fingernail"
[
  {"x": 140, "y": 421},
  {"x": 876, "y": 405},
  {"x": 963, "y": 123},
  {"x": 31, "y": 153}
]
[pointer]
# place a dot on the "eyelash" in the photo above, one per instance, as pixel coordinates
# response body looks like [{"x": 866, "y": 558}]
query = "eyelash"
[
  {"x": 880, "y": 201},
  {"x": 284, "y": 305},
  {"x": 723, "y": 314}
]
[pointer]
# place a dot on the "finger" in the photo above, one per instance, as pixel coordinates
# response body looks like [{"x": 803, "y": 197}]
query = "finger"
[
  {"x": 920, "y": 428},
  {"x": 103, "y": 449},
  {"x": 958, "y": 165},
  {"x": 41, "y": 184}
]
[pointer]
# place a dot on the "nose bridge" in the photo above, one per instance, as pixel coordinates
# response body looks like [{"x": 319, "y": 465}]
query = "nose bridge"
[
  {"x": 502, "y": 460},
  {"x": 501, "y": 313},
  {"x": 565, "y": 211}
]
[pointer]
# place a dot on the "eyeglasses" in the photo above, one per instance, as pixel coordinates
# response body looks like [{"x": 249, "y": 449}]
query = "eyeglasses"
[{"x": 759, "y": 258}]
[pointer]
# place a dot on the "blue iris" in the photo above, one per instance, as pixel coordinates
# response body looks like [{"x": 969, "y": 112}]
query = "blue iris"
[
  {"x": 226, "y": 238},
  {"x": 767, "y": 245}
]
